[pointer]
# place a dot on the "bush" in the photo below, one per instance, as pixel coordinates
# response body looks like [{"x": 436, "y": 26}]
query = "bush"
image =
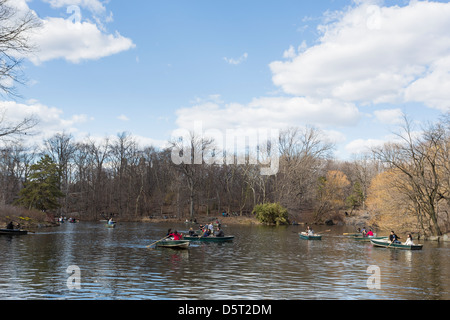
[{"x": 271, "y": 213}]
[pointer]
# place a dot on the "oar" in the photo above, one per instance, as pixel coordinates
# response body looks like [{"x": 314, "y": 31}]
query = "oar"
[{"x": 157, "y": 241}]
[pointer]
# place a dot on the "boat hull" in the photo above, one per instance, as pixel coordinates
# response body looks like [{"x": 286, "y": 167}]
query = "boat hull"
[
  {"x": 210, "y": 239},
  {"x": 12, "y": 232},
  {"x": 353, "y": 234},
  {"x": 388, "y": 244},
  {"x": 174, "y": 244},
  {"x": 367, "y": 239},
  {"x": 309, "y": 237},
  {"x": 111, "y": 225}
]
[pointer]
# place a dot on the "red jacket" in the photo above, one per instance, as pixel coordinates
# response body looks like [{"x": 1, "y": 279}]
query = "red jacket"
[{"x": 176, "y": 236}]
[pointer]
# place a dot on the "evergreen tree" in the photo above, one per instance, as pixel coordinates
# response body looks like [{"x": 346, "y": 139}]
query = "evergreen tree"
[
  {"x": 42, "y": 191},
  {"x": 271, "y": 213}
]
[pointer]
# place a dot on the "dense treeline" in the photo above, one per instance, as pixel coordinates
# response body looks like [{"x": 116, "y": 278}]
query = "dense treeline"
[{"x": 407, "y": 181}]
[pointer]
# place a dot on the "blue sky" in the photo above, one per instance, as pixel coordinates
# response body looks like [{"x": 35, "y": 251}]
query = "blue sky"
[{"x": 349, "y": 68}]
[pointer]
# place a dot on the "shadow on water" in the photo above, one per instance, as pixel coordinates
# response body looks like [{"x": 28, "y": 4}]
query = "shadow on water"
[{"x": 261, "y": 263}]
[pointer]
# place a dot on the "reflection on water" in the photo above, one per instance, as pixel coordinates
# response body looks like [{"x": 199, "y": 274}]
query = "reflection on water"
[{"x": 261, "y": 263}]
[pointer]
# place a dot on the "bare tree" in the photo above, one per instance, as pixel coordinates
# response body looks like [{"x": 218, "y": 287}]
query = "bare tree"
[
  {"x": 15, "y": 28},
  {"x": 302, "y": 152},
  {"x": 10, "y": 131},
  {"x": 191, "y": 162},
  {"x": 418, "y": 158}
]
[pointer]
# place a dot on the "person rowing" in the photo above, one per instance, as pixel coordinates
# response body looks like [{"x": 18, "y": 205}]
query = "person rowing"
[
  {"x": 219, "y": 233},
  {"x": 393, "y": 238},
  {"x": 175, "y": 235}
]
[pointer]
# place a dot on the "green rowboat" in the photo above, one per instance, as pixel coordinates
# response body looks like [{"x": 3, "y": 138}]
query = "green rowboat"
[
  {"x": 174, "y": 244},
  {"x": 12, "y": 232},
  {"x": 209, "y": 239},
  {"x": 387, "y": 244},
  {"x": 305, "y": 236},
  {"x": 110, "y": 225},
  {"x": 367, "y": 239}
]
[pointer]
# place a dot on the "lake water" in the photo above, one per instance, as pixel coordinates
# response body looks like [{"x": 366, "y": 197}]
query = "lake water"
[{"x": 261, "y": 263}]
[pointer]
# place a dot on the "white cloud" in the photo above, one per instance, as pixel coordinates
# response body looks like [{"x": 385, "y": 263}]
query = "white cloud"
[
  {"x": 123, "y": 117},
  {"x": 62, "y": 39},
  {"x": 74, "y": 38},
  {"x": 236, "y": 61},
  {"x": 363, "y": 145},
  {"x": 433, "y": 88},
  {"x": 92, "y": 5},
  {"x": 51, "y": 120},
  {"x": 389, "y": 116},
  {"x": 269, "y": 112},
  {"x": 371, "y": 54}
]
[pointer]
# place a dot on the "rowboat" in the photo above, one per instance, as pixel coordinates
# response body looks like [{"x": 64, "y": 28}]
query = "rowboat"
[
  {"x": 174, "y": 244},
  {"x": 352, "y": 234},
  {"x": 210, "y": 239},
  {"x": 305, "y": 236},
  {"x": 367, "y": 239},
  {"x": 110, "y": 225},
  {"x": 12, "y": 232},
  {"x": 387, "y": 244}
]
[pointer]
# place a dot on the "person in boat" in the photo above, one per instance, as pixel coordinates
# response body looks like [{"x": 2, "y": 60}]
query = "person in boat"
[
  {"x": 309, "y": 231},
  {"x": 370, "y": 233},
  {"x": 175, "y": 235},
  {"x": 110, "y": 221},
  {"x": 393, "y": 238},
  {"x": 409, "y": 240},
  {"x": 364, "y": 232},
  {"x": 219, "y": 233},
  {"x": 206, "y": 233},
  {"x": 10, "y": 226},
  {"x": 192, "y": 233}
]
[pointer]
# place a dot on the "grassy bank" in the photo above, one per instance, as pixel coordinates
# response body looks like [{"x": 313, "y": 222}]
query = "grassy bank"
[
  {"x": 202, "y": 219},
  {"x": 28, "y": 219}
]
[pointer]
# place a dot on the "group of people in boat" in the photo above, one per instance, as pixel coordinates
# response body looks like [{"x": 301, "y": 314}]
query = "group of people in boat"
[
  {"x": 366, "y": 233},
  {"x": 205, "y": 231},
  {"x": 393, "y": 238},
  {"x": 62, "y": 219}
]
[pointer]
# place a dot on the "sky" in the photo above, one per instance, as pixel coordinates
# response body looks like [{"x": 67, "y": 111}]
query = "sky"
[{"x": 349, "y": 68}]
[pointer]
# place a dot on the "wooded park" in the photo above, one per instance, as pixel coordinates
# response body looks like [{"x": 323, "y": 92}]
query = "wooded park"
[{"x": 404, "y": 184}]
